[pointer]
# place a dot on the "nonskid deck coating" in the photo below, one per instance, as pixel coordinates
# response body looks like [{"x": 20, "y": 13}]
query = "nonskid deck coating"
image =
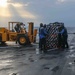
[{"x": 25, "y": 61}]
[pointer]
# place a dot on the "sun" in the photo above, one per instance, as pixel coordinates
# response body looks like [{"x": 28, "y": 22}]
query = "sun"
[{"x": 3, "y": 3}]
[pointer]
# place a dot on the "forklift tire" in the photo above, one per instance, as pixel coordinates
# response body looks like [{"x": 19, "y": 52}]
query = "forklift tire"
[
  {"x": 28, "y": 41},
  {"x": 0, "y": 38},
  {"x": 3, "y": 43},
  {"x": 22, "y": 40}
]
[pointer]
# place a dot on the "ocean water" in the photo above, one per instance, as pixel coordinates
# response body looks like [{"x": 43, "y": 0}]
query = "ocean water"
[
  {"x": 71, "y": 29},
  {"x": 71, "y": 36}
]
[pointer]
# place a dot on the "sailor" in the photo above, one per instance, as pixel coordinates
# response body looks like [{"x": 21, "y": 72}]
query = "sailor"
[
  {"x": 17, "y": 27},
  {"x": 42, "y": 35},
  {"x": 64, "y": 37}
]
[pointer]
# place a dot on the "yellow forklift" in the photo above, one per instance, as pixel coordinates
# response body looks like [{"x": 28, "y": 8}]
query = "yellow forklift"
[{"x": 17, "y": 32}]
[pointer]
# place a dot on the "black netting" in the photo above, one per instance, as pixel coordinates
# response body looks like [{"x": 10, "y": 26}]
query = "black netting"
[{"x": 52, "y": 38}]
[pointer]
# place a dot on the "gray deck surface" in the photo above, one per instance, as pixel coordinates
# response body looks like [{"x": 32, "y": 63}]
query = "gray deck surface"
[{"x": 25, "y": 61}]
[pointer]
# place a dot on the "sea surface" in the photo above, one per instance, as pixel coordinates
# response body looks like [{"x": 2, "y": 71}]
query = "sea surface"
[{"x": 71, "y": 35}]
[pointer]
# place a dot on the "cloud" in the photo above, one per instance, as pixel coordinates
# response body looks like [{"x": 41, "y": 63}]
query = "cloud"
[
  {"x": 64, "y": 1},
  {"x": 41, "y": 11},
  {"x": 18, "y": 4},
  {"x": 60, "y": 1}
]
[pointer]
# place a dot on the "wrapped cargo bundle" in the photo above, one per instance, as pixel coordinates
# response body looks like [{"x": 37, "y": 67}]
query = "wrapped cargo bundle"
[{"x": 52, "y": 38}]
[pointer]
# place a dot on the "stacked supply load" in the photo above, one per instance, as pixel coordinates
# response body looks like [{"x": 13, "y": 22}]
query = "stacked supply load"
[{"x": 52, "y": 38}]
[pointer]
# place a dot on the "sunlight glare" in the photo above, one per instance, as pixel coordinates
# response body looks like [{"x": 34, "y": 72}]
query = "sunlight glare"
[{"x": 3, "y": 3}]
